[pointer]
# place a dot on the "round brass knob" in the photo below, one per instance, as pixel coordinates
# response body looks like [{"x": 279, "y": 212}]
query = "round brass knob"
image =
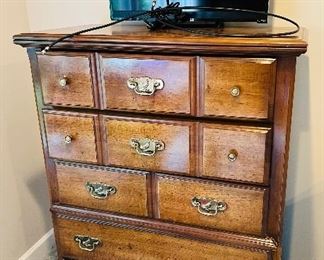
[
  {"x": 63, "y": 82},
  {"x": 232, "y": 156},
  {"x": 235, "y": 91},
  {"x": 68, "y": 139}
]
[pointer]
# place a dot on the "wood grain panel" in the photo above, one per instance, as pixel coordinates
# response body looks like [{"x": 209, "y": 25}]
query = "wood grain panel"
[
  {"x": 265, "y": 243},
  {"x": 80, "y": 127},
  {"x": 175, "y": 97},
  {"x": 130, "y": 198},
  {"x": 174, "y": 134},
  {"x": 138, "y": 38},
  {"x": 76, "y": 69},
  {"x": 245, "y": 205},
  {"x": 254, "y": 77},
  {"x": 119, "y": 243},
  {"x": 250, "y": 144}
]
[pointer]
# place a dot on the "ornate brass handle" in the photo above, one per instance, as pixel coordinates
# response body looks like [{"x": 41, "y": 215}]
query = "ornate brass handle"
[
  {"x": 145, "y": 86},
  {"x": 208, "y": 206},
  {"x": 87, "y": 243},
  {"x": 100, "y": 190},
  {"x": 147, "y": 147}
]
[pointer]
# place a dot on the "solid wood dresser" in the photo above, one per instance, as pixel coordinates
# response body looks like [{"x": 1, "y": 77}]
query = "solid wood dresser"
[{"x": 165, "y": 145}]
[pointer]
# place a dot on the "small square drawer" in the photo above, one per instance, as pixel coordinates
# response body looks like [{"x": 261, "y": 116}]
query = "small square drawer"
[
  {"x": 66, "y": 79},
  {"x": 102, "y": 188},
  {"x": 210, "y": 204},
  {"x": 72, "y": 136},
  {"x": 238, "y": 87},
  {"x": 148, "y": 83},
  {"x": 239, "y": 153},
  {"x": 85, "y": 240},
  {"x": 147, "y": 144}
]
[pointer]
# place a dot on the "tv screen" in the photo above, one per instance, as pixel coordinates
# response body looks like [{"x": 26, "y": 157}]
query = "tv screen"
[{"x": 120, "y": 9}]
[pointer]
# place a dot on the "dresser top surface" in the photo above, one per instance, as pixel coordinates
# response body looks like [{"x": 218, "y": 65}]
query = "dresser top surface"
[{"x": 138, "y": 34}]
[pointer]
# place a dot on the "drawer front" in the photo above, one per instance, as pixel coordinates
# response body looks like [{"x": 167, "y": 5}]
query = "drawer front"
[
  {"x": 72, "y": 136},
  {"x": 153, "y": 145},
  {"x": 66, "y": 79},
  {"x": 102, "y": 188},
  {"x": 211, "y": 204},
  {"x": 115, "y": 243},
  {"x": 148, "y": 83},
  {"x": 238, "y": 87},
  {"x": 236, "y": 153}
]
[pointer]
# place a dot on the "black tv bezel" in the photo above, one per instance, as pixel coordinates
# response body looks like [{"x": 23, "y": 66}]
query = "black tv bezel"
[{"x": 193, "y": 17}]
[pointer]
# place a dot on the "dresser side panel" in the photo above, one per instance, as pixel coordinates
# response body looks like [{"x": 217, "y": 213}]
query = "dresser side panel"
[
  {"x": 49, "y": 164},
  {"x": 281, "y": 136}
]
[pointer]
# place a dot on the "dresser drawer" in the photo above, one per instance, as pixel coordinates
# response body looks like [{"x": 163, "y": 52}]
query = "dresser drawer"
[
  {"x": 72, "y": 136},
  {"x": 209, "y": 204},
  {"x": 155, "y": 145},
  {"x": 148, "y": 83},
  {"x": 66, "y": 79},
  {"x": 106, "y": 242},
  {"x": 102, "y": 188},
  {"x": 236, "y": 152},
  {"x": 238, "y": 87}
]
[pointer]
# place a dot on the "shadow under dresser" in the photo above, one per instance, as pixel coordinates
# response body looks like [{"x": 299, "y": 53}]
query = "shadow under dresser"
[{"x": 165, "y": 145}]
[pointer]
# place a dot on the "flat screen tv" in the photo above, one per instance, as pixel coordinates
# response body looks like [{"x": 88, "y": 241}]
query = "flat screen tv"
[{"x": 120, "y": 9}]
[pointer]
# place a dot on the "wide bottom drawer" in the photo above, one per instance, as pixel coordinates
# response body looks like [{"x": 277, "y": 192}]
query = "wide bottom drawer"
[{"x": 82, "y": 240}]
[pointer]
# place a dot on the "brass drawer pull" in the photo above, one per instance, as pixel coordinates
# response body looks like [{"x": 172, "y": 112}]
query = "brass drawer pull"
[
  {"x": 145, "y": 86},
  {"x": 87, "y": 243},
  {"x": 236, "y": 91},
  {"x": 147, "y": 147},
  {"x": 68, "y": 139},
  {"x": 64, "y": 81},
  {"x": 100, "y": 190},
  {"x": 208, "y": 206},
  {"x": 232, "y": 156}
]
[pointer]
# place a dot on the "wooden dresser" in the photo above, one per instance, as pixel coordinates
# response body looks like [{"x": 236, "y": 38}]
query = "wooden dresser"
[{"x": 165, "y": 145}]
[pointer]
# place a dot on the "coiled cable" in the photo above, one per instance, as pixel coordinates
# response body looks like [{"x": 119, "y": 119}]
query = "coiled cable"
[{"x": 161, "y": 14}]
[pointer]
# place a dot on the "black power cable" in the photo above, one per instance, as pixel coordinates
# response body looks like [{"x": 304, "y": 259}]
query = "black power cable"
[
  {"x": 47, "y": 48},
  {"x": 162, "y": 14}
]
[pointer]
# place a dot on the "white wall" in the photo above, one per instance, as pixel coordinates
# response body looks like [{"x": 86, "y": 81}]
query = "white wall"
[
  {"x": 24, "y": 216},
  {"x": 305, "y": 194},
  {"x": 304, "y": 226},
  {"x": 51, "y": 14}
]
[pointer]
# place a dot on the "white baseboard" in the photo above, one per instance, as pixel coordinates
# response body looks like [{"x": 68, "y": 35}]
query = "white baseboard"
[{"x": 43, "y": 249}]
